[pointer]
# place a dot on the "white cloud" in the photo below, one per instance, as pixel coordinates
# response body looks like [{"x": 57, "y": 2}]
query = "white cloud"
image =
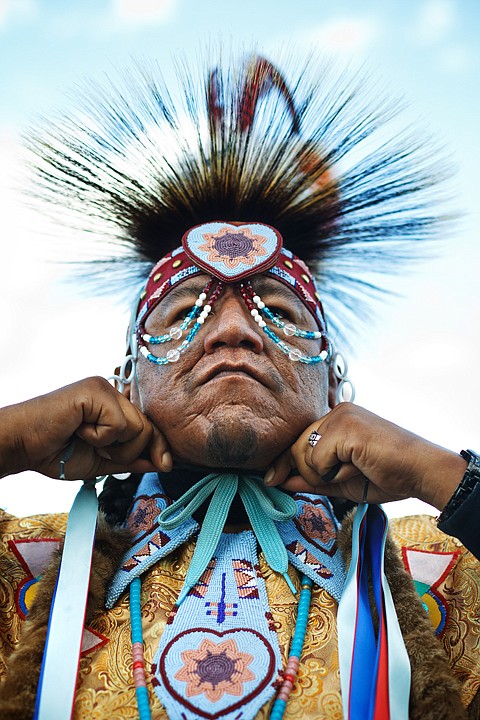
[
  {"x": 345, "y": 35},
  {"x": 436, "y": 18},
  {"x": 144, "y": 11},
  {"x": 22, "y": 9}
]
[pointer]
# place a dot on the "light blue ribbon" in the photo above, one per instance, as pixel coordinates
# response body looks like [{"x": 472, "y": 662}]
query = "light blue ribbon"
[{"x": 58, "y": 675}]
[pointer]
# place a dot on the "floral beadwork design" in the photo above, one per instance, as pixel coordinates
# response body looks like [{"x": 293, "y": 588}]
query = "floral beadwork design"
[
  {"x": 233, "y": 246},
  {"x": 316, "y": 523},
  {"x": 215, "y": 669},
  {"x": 143, "y": 516}
]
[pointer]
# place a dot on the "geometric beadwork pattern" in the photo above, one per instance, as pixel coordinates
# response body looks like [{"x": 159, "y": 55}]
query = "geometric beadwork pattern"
[
  {"x": 245, "y": 574},
  {"x": 150, "y": 543},
  {"x": 305, "y": 557},
  {"x": 311, "y": 542},
  {"x": 429, "y": 571}
]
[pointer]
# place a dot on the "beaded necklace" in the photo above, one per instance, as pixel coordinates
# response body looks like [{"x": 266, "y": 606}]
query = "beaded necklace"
[{"x": 291, "y": 669}]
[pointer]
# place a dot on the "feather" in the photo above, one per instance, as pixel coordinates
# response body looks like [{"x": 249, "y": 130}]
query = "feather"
[{"x": 132, "y": 170}]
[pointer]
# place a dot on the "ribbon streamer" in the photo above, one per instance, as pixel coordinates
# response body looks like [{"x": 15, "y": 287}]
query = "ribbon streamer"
[
  {"x": 58, "y": 675},
  {"x": 374, "y": 667}
]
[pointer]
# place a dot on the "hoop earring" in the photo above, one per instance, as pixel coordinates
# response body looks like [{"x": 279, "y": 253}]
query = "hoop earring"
[
  {"x": 128, "y": 368},
  {"x": 345, "y": 391}
]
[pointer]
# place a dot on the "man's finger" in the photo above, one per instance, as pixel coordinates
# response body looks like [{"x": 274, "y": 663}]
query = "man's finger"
[{"x": 280, "y": 469}]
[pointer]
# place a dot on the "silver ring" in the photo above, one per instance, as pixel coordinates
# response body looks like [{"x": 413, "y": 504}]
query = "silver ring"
[
  {"x": 365, "y": 490},
  {"x": 313, "y": 438}
]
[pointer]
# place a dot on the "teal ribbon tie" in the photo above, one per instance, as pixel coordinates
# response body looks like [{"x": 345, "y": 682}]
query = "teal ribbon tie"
[{"x": 265, "y": 506}]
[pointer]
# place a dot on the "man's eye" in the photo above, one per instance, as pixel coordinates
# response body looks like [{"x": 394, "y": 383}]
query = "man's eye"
[
  {"x": 282, "y": 312},
  {"x": 179, "y": 314}
]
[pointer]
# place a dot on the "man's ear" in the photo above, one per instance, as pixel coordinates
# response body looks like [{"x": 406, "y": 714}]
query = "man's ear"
[{"x": 333, "y": 382}]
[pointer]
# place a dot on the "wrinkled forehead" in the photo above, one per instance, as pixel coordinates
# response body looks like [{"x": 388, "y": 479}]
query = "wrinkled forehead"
[{"x": 231, "y": 253}]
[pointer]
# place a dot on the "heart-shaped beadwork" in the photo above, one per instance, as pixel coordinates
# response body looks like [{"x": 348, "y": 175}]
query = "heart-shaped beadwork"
[
  {"x": 213, "y": 673},
  {"x": 232, "y": 251}
]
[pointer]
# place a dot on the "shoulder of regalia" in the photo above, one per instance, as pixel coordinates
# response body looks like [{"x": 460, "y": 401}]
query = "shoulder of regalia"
[
  {"x": 29, "y": 561},
  {"x": 447, "y": 579}
]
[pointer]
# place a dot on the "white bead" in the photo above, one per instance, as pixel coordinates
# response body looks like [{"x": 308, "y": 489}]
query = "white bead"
[
  {"x": 318, "y": 335},
  {"x": 144, "y": 351},
  {"x": 202, "y": 296},
  {"x": 260, "y": 304},
  {"x": 256, "y": 299},
  {"x": 324, "y": 354},
  {"x": 207, "y": 308},
  {"x": 175, "y": 333},
  {"x": 200, "y": 320},
  {"x": 199, "y": 302},
  {"x": 254, "y": 312},
  {"x": 173, "y": 355},
  {"x": 289, "y": 329},
  {"x": 262, "y": 323}
]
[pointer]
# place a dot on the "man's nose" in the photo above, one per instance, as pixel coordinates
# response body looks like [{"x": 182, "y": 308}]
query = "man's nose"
[{"x": 231, "y": 325}]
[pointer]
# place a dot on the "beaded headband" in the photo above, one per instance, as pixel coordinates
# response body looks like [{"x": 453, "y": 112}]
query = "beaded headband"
[{"x": 231, "y": 252}]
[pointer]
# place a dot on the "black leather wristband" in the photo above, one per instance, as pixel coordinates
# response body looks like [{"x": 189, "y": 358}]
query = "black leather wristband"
[
  {"x": 466, "y": 486},
  {"x": 461, "y": 514}
]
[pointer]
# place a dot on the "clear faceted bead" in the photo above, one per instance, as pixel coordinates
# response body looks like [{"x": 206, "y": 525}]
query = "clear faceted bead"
[
  {"x": 175, "y": 333},
  {"x": 173, "y": 355},
  {"x": 289, "y": 329},
  {"x": 294, "y": 355}
]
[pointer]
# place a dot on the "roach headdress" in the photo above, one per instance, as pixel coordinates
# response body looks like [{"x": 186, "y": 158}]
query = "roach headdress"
[{"x": 135, "y": 168}]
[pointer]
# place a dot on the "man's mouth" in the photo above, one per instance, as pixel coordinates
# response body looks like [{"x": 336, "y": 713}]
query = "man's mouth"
[{"x": 232, "y": 371}]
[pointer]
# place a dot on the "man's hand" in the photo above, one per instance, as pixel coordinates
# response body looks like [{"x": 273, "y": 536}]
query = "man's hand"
[
  {"x": 110, "y": 434},
  {"x": 356, "y": 445}
]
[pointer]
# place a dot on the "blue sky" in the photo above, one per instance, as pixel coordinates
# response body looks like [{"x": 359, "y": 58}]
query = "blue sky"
[{"x": 418, "y": 365}]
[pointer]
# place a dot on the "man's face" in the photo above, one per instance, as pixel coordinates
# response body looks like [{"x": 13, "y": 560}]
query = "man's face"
[{"x": 233, "y": 399}]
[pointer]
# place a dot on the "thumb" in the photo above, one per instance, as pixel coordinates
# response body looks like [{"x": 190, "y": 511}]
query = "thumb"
[
  {"x": 160, "y": 453},
  {"x": 280, "y": 469}
]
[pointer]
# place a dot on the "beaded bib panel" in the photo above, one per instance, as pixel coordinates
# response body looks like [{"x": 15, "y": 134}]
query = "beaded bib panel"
[{"x": 219, "y": 652}]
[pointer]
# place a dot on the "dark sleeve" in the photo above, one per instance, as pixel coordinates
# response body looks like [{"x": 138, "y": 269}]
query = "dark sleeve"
[{"x": 464, "y": 523}]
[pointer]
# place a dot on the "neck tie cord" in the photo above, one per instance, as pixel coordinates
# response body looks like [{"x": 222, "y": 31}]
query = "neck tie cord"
[{"x": 264, "y": 507}]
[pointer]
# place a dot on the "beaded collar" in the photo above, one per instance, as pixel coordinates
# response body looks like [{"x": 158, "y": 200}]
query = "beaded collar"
[{"x": 310, "y": 539}]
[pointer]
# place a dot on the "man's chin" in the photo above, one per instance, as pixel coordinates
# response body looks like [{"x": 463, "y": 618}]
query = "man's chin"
[{"x": 232, "y": 444}]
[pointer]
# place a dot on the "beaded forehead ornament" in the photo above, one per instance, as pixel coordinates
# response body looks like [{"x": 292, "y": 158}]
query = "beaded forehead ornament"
[{"x": 231, "y": 252}]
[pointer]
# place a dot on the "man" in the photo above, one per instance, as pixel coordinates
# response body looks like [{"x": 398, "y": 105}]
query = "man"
[{"x": 213, "y": 399}]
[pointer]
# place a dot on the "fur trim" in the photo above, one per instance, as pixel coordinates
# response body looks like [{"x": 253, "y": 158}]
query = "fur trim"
[
  {"x": 19, "y": 689},
  {"x": 473, "y": 710},
  {"x": 434, "y": 693}
]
